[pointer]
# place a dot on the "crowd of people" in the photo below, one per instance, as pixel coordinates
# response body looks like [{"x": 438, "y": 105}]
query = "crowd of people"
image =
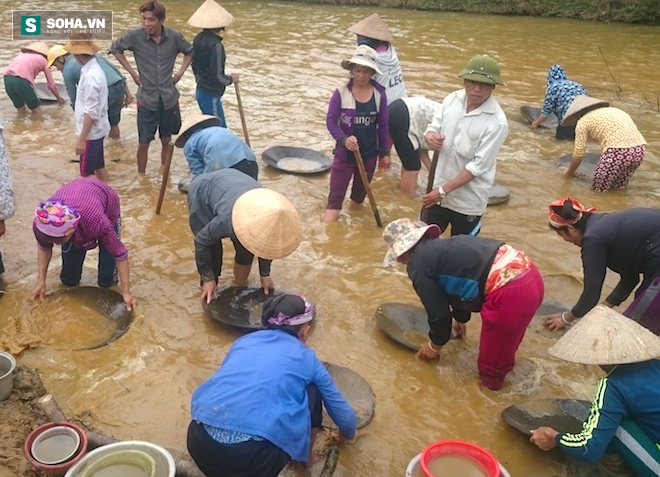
[{"x": 238, "y": 424}]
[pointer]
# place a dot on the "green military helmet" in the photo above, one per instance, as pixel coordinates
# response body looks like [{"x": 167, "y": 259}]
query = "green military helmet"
[{"x": 482, "y": 69}]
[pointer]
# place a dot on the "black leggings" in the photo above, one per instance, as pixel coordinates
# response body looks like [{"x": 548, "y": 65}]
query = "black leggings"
[
  {"x": 247, "y": 459},
  {"x": 399, "y": 124},
  {"x": 251, "y": 168}
]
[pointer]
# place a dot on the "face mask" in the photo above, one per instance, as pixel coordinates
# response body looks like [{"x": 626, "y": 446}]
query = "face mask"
[{"x": 363, "y": 40}]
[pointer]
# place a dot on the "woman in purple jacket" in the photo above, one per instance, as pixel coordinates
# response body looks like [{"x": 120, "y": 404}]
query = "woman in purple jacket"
[{"x": 358, "y": 120}]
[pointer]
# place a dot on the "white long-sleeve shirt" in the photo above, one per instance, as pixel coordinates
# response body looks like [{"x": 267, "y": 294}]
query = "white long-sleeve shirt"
[
  {"x": 92, "y": 100},
  {"x": 472, "y": 141}
]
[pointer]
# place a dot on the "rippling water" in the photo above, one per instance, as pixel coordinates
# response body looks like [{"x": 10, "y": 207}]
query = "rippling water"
[{"x": 288, "y": 56}]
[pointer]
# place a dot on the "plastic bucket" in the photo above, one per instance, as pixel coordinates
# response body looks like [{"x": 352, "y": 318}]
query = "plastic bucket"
[
  {"x": 59, "y": 469},
  {"x": 55, "y": 445},
  {"x": 441, "y": 450},
  {"x": 164, "y": 462},
  {"x": 120, "y": 462},
  {"x": 7, "y": 366},
  {"x": 414, "y": 468}
]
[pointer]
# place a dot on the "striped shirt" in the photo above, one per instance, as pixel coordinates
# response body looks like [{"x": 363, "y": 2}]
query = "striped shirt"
[{"x": 98, "y": 206}]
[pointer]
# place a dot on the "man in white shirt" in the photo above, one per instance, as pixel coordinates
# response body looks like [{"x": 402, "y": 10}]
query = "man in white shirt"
[
  {"x": 469, "y": 130},
  {"x": 91, "y": 109}
]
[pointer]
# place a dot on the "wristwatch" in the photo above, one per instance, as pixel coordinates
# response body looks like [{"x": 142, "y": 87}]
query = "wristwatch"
[{"x": 442, "y": 193}]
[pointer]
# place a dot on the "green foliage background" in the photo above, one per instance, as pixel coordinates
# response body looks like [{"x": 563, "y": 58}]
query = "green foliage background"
[{"x": 630, "y": 11}]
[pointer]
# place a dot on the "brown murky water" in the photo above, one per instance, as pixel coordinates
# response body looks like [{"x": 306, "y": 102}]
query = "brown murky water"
[{"x": 288, "y": 56}]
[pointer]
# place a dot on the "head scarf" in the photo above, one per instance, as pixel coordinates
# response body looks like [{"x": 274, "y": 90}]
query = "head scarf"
[
  {"x": 556, "y": 73},
  {"x": 283, "y": 320},
  {"x": 55, "y": 219},
  {"x": 558, "y": 221}
]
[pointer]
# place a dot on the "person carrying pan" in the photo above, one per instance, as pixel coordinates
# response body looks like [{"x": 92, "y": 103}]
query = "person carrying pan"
[
  {"x": 263, "y": 407},
  {"x": 622, "y": 431},
  {"x": 461, "y": 274},
  {"x": 208, "y": 146},
  {"x": 230, "y": 204}
]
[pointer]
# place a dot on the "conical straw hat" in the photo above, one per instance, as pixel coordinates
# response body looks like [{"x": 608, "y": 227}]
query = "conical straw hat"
[
  {"x": 372, "y": 27},
  {"x": 36, "y": 47},
  {"x": 580, "y": 106},
  {"x": 604, "y": 336},
  {"x": 266, "y": 223},
  {"x": 191, "y": 123},
  {"x": 211, "y": 15}
]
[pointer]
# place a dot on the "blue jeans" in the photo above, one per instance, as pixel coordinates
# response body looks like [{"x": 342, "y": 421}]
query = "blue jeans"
[
  {"x": 73, "y": 259},
  {"x": 211, "y": 104}
]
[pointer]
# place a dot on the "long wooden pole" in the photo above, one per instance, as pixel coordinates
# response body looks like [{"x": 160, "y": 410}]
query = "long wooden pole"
[
  {"x": 367, "y": 187},
  {"x": 240, "y": 111},
  {"x": 429, "y": 183},
  {"x": 166, "y": 176}
]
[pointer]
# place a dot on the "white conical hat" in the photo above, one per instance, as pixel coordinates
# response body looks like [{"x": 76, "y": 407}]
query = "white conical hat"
[
  {"x": 581, "y": 105},
  {"x": 211, "y": 15},
  {"x": 372, "y": 27},
  {"x": 605, "y": 336},
  {"x": 266, "y": 223},
  {"x": 191, "y": 123}
]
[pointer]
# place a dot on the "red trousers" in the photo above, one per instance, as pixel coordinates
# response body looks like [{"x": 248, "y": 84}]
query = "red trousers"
[{"x": 505, "y": 315}]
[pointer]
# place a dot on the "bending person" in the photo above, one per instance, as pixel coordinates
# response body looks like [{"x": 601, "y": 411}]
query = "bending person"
[
  {"x": 622, "y": 144},
  {"x": 80, "y": 216},
  {"x": 229, "y": 204},
  {"x": 208, "y": 146},
  {"x": 270, "y": 390},
  {"x": 627, "y": 242},
  {"x": 408, "y": 120},
  {"x": 461, "y": 274},
  {"x": 559, "y": 94},
  {"x": 622, "y": 432}
]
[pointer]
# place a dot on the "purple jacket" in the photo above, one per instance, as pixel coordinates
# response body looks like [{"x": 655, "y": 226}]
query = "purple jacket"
[{"x": 341, "y": 114}]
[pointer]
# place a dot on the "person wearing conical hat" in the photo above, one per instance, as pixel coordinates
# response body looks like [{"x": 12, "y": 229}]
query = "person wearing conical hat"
[
  {"x": 456, "y": 276},
  {"x": 209, "y": 60},
  {"x": 119, "y": 94},
  {"x": 227, "y": 203},
  {"x": 155, "y": 48},
  {"x": 208, "y": 146},
  {"x": 91, "y": 107},
  {"x": 627, "y": 242},
  {"x": 559, "y": 93},
  {"x": 622, "y": 431},
  {"x": 372, "y": 31},
  {"x": 20, "y": 74},
  {"x": 469, "y": 131},
  {"x": 357, "y": 119},
  {"x": 622, "y": 144}
]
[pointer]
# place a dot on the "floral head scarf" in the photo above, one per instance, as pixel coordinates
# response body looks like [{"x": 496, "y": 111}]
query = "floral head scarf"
[
  {"x": 283, "y": 320},
  {"x": 558, "y": 221},
  {"x": 556, "y": 73},
  {"x": 55, "y": 219}
]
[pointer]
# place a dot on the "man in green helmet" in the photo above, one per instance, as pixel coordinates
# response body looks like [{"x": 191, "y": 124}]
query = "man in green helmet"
[{"x": 468, "y": 130}]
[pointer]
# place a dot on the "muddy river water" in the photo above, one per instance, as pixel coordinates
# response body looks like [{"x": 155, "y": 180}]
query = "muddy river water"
[{"x": 288, "y": 56}]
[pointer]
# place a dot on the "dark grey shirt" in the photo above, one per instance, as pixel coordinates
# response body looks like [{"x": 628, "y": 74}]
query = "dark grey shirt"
[
  {"x": 211, "y": 199},
  {"x": 155, "y": 64}
]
